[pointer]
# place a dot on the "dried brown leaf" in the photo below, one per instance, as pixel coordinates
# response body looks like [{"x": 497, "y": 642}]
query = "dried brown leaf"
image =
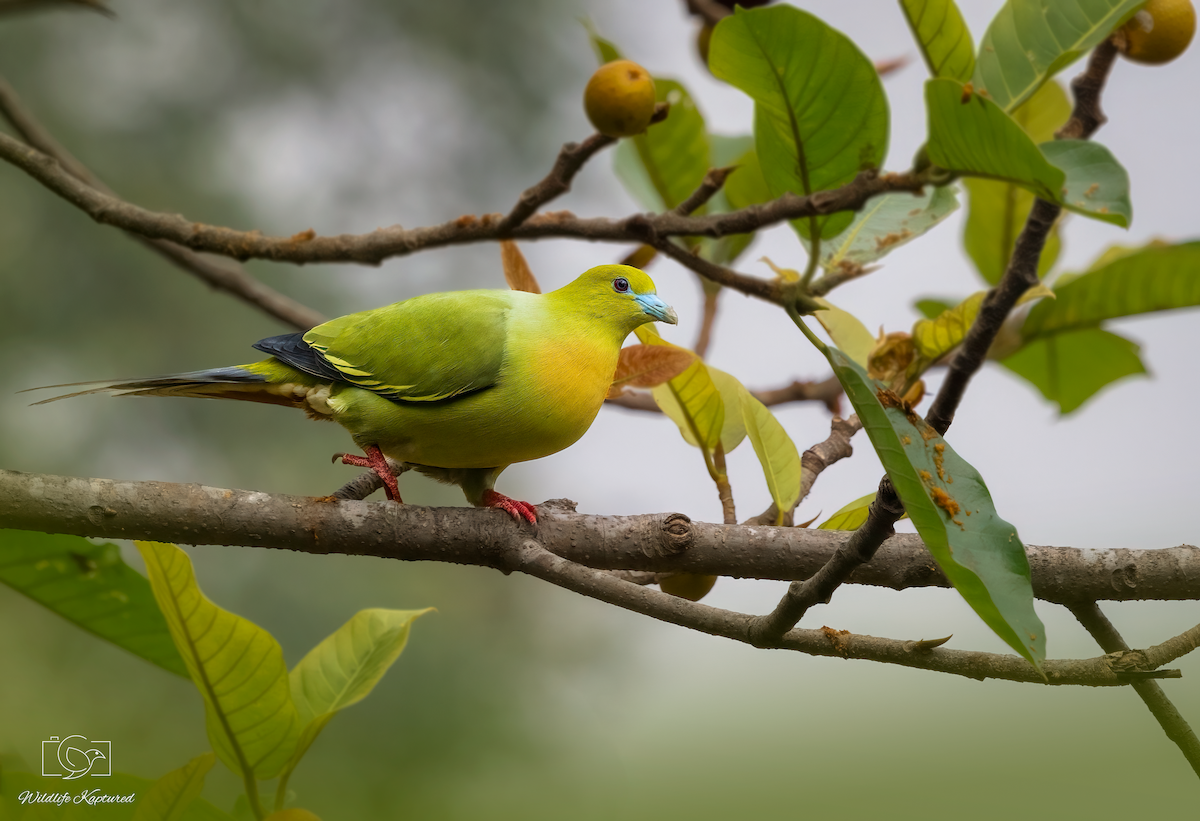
[
  {"x": 647, "y": 366},
  {"x": 516, "y": 270}
]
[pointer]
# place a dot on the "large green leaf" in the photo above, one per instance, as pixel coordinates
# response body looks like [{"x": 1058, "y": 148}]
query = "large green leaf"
[
  {"x": 1097, "y": 186},
  {"x": 997, "y": 210},
  {"x": 169, "y": 797},
  {"x": 952, "y": 509},
  {"x": 1029, "y": 41},
  {"x": 1155, "y": 278},
  {"x": 1071, "y": 367},
  {"x": 971, "y": 135},
  {"x": 344, "y": 668},
  {"x": 820, "y": 111},
  {"x": 90, "y": 585},
  {"x": 237, "y": 666},
  {"x": 943, "y": 36},
  {"x": 884, "y": 224},
  {"x": 776, "y": 453}
]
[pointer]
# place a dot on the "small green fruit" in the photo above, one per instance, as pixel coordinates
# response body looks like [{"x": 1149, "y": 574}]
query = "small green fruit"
[{"x": 619, "y": 99}]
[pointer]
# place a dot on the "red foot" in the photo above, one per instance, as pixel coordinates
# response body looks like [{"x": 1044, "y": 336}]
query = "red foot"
[
  {"x": 518, "y": 510},
  {"x": 376, "y": 462}
]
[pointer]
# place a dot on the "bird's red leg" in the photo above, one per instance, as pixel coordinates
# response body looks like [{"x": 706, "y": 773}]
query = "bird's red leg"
[
  {"x": 518, "y": 510},
  {"x": 375, "y": 461}
]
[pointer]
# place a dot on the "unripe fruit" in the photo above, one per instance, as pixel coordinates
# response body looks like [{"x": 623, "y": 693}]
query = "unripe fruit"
[
  {"x": 292, "y": 814},
  {"x": 691, "y": 586},
  {"x": 1158, "y": 33},
  {"x": 619, "y": 99}
]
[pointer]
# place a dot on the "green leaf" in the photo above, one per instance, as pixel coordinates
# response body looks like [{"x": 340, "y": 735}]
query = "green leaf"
[
  {"x": 1097, "y": 186},
  {"x": 606, "y": 50},
  {"x": 996, "y": 213},
  {"x": 820, "y": 111},
  {"x": 776, "y": 453},
  {"x": 934, "y": 338},
  {"x": 728, "y": 389},
  {"x": 851, "y": 516},
  {"x": 674, "y": 154},
  {"x": 237, "y": 666},
  {"x": 929, "y": 307},
  {"x": 846, "y": 331},
  {"x": 996, "y": 210},
  {"x": 1029, "y": 41},
  {"x": 884, "y": 224},
  {"x": 1071, "y": 367},
  {"x": 942, "y": 34},
  {"x": 978, "y": 139},
  {"x": 950, "y": 505},
  {"x": 344, "y": 668},
  {"x": 169, "y": 797},
  {"x": 89, "y": 585},
  {"x": 744, "y": 187},
  {"x": 1155, "y": 278}
]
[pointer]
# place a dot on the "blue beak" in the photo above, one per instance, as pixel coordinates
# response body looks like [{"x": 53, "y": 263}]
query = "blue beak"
[{"x": 656, "y": 308}]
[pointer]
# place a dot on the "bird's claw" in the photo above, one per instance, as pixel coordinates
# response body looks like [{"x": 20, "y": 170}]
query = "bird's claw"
[
  {"x": 376, "y": 461},
  {"x": 517, "y": 509}
]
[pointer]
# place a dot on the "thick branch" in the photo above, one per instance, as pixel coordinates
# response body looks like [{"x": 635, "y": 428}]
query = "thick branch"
[
  {"x": 223, "y": 275},
  {"x": 1151, "y": 692},
  {"x": 193, "y": 514}
]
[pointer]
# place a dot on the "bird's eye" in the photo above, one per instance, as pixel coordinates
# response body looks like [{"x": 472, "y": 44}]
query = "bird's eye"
[{"x": 620, "y": 285}]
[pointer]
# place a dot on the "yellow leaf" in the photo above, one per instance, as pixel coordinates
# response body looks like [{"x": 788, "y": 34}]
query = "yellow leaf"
[{"x": 849, "y": 335}]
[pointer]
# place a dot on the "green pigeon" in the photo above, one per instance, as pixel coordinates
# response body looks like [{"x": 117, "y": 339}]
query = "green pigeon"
[{"x": 456, "y": 385}]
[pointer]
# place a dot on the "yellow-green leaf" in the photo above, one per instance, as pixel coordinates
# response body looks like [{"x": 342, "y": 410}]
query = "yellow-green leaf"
[
  {"x": 168, "y": 798},
  {"x": 345, "y": 667},
  {"x": 776, "y": 452},
  {"x": 847, "y": 333},
  {"x": 851, "y": 516},
  {"x": 237, "y": 666},
  {"x": 942, "y": 34}
]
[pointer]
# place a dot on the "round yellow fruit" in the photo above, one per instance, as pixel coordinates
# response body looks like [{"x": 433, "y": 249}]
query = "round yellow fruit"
[
  {"x": 1158, "y": 33},
  {"x": 619, "y": 99},
  {"x": 292, "y": 814},
  {"x": 691, "y": 586}
]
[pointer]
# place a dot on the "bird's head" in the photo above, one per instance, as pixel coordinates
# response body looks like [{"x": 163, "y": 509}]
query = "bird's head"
[{"x": 620, "y": 294}]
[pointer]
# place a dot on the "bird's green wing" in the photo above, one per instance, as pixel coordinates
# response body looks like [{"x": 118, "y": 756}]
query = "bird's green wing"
[{"x": 426, "y": 349}]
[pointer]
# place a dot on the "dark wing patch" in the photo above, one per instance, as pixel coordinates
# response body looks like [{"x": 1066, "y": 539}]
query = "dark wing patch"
[{"x": 291, "y": 349}]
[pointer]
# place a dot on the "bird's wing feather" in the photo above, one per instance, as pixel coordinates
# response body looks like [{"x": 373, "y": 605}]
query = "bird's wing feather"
[{"x": 427, "y": 349}]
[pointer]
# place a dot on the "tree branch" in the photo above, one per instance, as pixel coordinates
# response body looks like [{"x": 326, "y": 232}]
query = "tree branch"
[
  {"x": 1151, "y": 692},
  {"x": 384, "y": 243},
  {"x": 671, "y": 543},
  {"x": 191, "y": 514},
  {"x": 219, "y": 274}
]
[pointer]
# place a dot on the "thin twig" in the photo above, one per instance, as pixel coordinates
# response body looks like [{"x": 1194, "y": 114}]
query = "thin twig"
[
  {"x": 712, "y": 183},
  {"x": 1168, "y": 716},
  {"x": 223, "y": 275},
  {"x": 570, "y": 159},
  {"x": 812, "y": 463},
  {"x": 827, "y": 391}
]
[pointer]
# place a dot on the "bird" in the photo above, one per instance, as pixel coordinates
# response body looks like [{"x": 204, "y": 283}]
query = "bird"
[{"x": 456, "y": 385}]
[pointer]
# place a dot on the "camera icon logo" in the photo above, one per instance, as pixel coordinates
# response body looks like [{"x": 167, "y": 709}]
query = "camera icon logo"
[{"x": 74, "y": 757}]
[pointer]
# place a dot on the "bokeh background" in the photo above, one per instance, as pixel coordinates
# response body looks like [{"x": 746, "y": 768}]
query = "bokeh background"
[{"x": 516, "y": 699}]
